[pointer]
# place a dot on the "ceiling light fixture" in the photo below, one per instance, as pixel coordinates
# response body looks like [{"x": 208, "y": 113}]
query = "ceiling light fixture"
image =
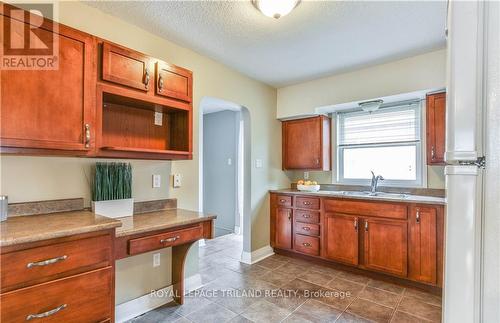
[
  {"x": 370, "y": 106},
  {"x": 275, "y": 8}
]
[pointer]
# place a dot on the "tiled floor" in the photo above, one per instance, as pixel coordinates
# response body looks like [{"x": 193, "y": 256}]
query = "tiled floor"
[{"x": 315, "y": 293}]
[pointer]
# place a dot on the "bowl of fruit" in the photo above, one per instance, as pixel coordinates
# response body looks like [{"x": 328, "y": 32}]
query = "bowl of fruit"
[{"x": 308, "y": 186}]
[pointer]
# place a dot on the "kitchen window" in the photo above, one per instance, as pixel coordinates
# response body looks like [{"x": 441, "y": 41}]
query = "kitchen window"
[{"x": 386, "y": 141}]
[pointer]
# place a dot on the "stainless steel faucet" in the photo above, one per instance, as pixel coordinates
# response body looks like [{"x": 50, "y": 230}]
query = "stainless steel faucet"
[{"x": 374, "y": 183}]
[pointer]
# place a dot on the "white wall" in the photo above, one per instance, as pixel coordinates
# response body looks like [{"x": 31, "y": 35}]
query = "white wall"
[{"x": 220, "y": 143}]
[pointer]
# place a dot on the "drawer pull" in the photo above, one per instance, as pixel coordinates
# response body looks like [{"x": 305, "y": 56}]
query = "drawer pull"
[
  {"x": 282, "y": 201},
  {"x": 46, "y": 262},
  {"x": 306, "y": 228},
  {"x": 307, "y": 203},
  {"x": 46, "y": 314},
  {"x": 306, "y": 244},
  {"x": 170, "y": 239},
  {"x": 417, "y": 217},
  {"x": 307, "y": 216}
]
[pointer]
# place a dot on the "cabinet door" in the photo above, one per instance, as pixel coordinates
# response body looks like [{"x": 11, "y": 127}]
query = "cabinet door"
[
  {"x": 126, "y": 67},
  {"x": 173, "y": 82},
  {"x": 422, "y": 249},
  {"x": 51, "y": 109},
  {"x": 386, "y": 245},
  {"x": 306, "y": 143},
  {"x": 283, "y": 239},
  {"x": 436, "y": 128},
  {"x": 341, "y": 238}
]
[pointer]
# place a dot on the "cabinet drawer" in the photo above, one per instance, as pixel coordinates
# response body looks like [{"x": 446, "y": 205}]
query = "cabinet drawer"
[
  {"x": 164, "y": 240},
  {"x": 306, "y": 216},
  {"x": 35, "y": 265},
  {"x": 307, "y": 229},
  {"x": 81, "y": 298},
  {"x": 378, "y": 209},
  {"x": 307, "y": 203},
  {"x": 306, "y": 244},
  {"x": 284, "y": 200}
]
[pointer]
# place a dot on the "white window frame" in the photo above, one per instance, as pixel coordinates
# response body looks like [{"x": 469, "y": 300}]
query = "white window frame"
[{"x": 421, "y": 171}]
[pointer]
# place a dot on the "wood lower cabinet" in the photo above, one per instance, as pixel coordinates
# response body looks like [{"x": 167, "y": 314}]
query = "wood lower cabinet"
[
  {"x": 400, "y": 239},
  {"x": 50, "y": 109},
  {"x": 386, "y": 245},
  {"x": 306, "y": 143},
  {"x": 436, "y": 128},
  {"x": 341, "y": 238},
  {"x": 283, "y": 225},
  {"x": 422, "y": 244}
]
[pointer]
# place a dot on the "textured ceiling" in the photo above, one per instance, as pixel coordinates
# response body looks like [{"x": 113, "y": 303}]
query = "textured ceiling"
[{"x": 318, "y": 38}]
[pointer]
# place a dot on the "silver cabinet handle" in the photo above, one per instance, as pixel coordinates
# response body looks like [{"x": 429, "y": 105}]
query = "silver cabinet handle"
[
  {"x": 356, "y": 224},
  {"x": 46, "y": 262},
  {"x": 289, "y": 215},
  {"x": 366, "y": 226},
  {"x": 317, "y": 161},
  {"x": 146, "y": 78},
  {"x": 306, "y": 216},
  {"x": 433, "y": 153},
  {"x": 306, "y": 228},
  {"x": 46, "y": 314},
  {"x": 306, "y": 203},
  {"x": 282, "y": 201},
  {"x": 87, "y": 135},
  {"x": 160, "y": 83},
  {"x": 306, "y": 244},
  {"x": 417, "y": 216},
  {"x": 170, "y": 239}
]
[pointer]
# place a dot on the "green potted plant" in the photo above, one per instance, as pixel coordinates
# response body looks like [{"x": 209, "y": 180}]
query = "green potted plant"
[{"x": 112, "y": 190}]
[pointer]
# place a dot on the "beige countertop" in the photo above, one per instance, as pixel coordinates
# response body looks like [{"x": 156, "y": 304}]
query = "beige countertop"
[
  {"x": 31, "y": 228},
  {"x": 391, "y": 197},
  {"x": 159, "y": 220}
]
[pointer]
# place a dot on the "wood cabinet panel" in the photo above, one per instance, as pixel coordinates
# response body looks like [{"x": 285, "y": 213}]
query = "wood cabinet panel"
[
  {"x": 308, "y": 229},
  {"x": 164, "y": 240},
  {"x": 284, "y": 200},
  {"x": 341, "y": 238},
  {"x": 370, "y": 208},
  {"x": 126, "y": 67},
  {"x": 306, "y": 143},
  {"x": 422, "y": 245},
  {"x": 173, "y": 82},
  {"x": 306, "y": 244},
  {"x": 283, "y": 227},
  {"x": 386, "y": 246},
  {"x": 85, "y": 297},
  {"x": 51, "y": 109},
  {"x": 436, "y": 128},
  {"x": 307, "y": 216},
  {"x": 29, "y": 266}
]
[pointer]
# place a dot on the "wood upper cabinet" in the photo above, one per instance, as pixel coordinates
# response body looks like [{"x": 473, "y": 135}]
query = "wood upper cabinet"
[
  {"x": 51, "y": 109},
  {"x": 436, "y": 128},
  {"x": 385, "y": 246},
  {"x": 126, "y": 67},
  {"x": 422, "y": 248},
  {"x": 283, "y": 227},
  {"x": 306, "y": 143},
  {"x": 341, "y": 238},
  {"x": 173, "y": 82}
]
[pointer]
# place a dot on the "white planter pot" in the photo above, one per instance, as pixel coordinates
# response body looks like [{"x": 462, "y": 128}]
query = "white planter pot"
[{"x": 114, "y": 208}]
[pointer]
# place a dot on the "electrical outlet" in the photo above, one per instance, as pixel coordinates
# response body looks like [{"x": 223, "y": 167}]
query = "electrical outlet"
[
  {"x": 158, "y": 118},
  {"x": 229, "y": 161},
  {"x": 306, "y": 175},
  {"x": 258, "y": 163},
  {"x": 156, "y": 181},
  {"x": 156, "y": 260},
  {"x": 177, "y": 180}
]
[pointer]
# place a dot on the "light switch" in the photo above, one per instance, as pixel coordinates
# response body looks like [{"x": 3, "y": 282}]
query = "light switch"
[
  {"x": 258, "y": 163},
  {"x": 177, "y": 180},
  {"x": 229, "y": 161},
  {"x": 306, "y": 175},
  {"x": 156, "y": 260},
  {"x": 156, "y": 181},
  {"x": 158, "y": 118}
]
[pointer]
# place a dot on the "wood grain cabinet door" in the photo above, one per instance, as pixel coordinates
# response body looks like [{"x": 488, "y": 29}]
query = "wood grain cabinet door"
[
  {"x": 173, "y": 82},
  {"x": 283, "y": 239},
  {"x": 51, "y": 109},
  {"x": 436, "y": 128},
  {"x": 386, "y": 246},
  {"x": 422, "y": 248},
  {"x": 341, "y": 238},
  {"x": 306, "y": 143},
  {"x": 126, "y": 67}
]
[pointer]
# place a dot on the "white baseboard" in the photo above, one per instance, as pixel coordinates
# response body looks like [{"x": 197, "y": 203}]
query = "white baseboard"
[
  {"x": 237, "y": 230},
  {"x": 257, "y": 255},
  {"x": 146, "y": 303}
]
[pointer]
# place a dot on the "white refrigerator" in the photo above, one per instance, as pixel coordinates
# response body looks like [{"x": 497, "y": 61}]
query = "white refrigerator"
[{"x": 471, "y": 279}]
